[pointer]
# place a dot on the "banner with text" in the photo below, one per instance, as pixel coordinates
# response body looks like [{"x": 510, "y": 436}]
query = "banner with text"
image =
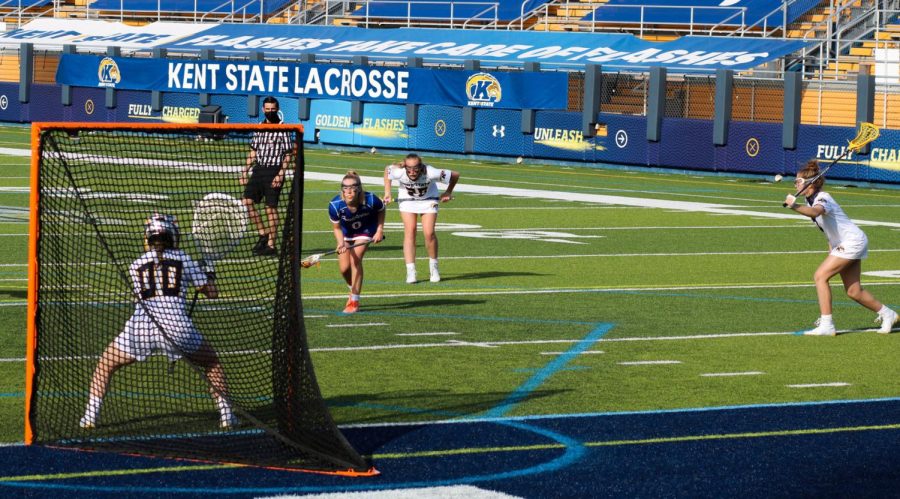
[
  {"x": 612, "y": 50},
  {"x": 616, "y": 51},
  {"x": 500, "y": 90}
]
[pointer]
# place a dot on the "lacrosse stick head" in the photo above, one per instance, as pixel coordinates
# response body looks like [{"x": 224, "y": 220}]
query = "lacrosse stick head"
[
  {"x": 310, "y": 260},
  {"x": 219, "y": 223},
  {"x": 868, "y": 132}
]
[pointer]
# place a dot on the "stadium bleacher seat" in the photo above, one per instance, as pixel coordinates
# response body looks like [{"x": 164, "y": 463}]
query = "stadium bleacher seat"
[
  {"x": 705, "y": 12},
  {"x": 23, "y": 5},
  {"x": 185, "y": 6},
  {"x": 507, "y": 10}
]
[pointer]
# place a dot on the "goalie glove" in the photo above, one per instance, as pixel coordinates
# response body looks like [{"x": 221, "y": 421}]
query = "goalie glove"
[{"x": 209, "y": 269}]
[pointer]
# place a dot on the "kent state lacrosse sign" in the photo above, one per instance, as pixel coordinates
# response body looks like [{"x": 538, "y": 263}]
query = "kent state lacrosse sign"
[{"x": 500, "y": 90}]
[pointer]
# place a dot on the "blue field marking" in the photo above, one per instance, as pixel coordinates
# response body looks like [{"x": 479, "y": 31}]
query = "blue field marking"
[
  {"x": 573, "y": 452},
  {"x": 536, "y": 369},
  {"x": 773, "y": 405},
  {"x": 596, "y": 457},
  {"x": 523, "y": 391},
  {"x": 12, "y": 395}
]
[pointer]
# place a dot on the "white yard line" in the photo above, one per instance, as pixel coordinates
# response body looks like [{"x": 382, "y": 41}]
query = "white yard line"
[
  {"x": 366, "y": 324},
  {"x": 648, "y": 362},
  {"x": 427, "y": 334},
  {"x": 482, "y": 292},
  {"x": 819, "y": 385},
  {"x": 481, "y": 344},
  {"x": 480, "y": 228},
  {"x": 704, "y": 254},
  {"x": 717, "y": 375},
  {"x": 663, "y": 204},
  {"x": 11, "y": 151},
  {"x": 588, "y": 352}
]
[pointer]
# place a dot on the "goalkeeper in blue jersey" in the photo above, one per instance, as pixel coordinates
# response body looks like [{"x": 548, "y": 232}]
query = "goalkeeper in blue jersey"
[
  {"x": 160, "y": 322},
  {"x": 357, "y": 217}
]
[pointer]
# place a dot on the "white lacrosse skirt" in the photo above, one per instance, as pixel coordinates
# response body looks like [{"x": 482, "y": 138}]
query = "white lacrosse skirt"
[
  {"x": 851, "y": 249},
  {"x": 419, "y": 205},
  {"x": 141, "y": 338}
]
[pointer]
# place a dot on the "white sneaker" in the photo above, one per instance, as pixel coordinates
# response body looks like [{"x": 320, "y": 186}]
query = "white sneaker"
[
  {"x": 410, "y": 276},
  {"x": 887, "y": 321},
  {"x": 86, "y": 423},
  {"x": 435, "y": 275},
  {"x": 821, "y": 330},
  {"x": 228, "y": 421}
]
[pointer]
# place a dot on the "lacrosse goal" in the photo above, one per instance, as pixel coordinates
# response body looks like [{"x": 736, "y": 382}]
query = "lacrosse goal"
[{"x": 103, "y": 196}]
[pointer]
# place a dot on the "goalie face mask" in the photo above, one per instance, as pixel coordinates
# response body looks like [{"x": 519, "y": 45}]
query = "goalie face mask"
[{"x": 161, "y": 229}]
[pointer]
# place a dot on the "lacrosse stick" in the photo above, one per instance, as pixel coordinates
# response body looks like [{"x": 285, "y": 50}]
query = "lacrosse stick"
[
  {"x": 218, "y": 226},
  {"x": 868, "y": 132},
  {"x": 314, "y": 259}
]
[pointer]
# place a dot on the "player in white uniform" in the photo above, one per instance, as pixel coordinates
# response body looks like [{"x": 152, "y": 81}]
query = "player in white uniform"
[
  {"x": 418, "y": 197},
  {"x": 847, "y": 246},
  {"x": 160, "y": 323}
]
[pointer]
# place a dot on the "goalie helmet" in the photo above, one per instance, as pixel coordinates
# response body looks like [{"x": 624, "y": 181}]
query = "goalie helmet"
[{"x": 162, "y": 229}]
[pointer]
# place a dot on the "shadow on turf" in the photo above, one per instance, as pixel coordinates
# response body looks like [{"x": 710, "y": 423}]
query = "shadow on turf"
[
  {"x": 406, "y": 405},
  {"x": 422, "y": 303},
  {"x": 16, "y": 295},
  {"x": 490, "y": 275}
]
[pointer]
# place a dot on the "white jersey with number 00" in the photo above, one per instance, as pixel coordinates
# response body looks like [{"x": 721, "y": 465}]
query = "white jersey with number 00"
[
  {"x": 162, "y": 282},
  {"x": 160, "y": 322}
]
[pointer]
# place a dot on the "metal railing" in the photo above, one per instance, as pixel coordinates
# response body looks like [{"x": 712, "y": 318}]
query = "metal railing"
[
  {"x": 762, "y": 26},
  {"x": 360, "y": 14},
  {"x": 24, "y": 11},
  {"x": 543, "y": 13},
  {"x": 232, "y": 11},
  {"x": 846, "y": 25}
]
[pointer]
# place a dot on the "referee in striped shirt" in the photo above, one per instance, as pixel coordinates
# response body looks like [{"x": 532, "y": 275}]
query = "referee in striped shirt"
[{"x": 269, "y": 157}]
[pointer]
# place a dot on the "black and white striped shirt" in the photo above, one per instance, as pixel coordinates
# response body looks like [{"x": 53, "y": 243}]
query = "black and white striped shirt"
[{"x": 271, "y": 148}]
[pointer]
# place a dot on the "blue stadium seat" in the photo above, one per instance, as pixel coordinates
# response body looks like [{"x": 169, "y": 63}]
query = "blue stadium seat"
[
  {"x": 507, "y": 10},
  {"x": 187, "y": 6},
  {"x": 665, "y": 12},
  {"x": 25, "y": 4}
]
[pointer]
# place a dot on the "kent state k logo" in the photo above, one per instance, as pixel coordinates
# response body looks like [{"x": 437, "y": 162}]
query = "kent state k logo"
[
  {"x": 108, "y": 73},
  {"x": 483, "y": 90}
]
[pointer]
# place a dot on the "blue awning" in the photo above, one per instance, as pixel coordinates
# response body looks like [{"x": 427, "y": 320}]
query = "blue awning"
[{"x": 615, "y": 51}]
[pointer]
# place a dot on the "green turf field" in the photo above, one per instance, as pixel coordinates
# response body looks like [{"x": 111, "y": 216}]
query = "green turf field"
[{"x": 697, "y": 284}]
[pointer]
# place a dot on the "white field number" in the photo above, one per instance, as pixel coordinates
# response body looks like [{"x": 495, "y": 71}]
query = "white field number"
[{"x": 534, "y": 235}]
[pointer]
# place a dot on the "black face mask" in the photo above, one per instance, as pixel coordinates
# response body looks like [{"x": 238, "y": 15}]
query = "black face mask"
[{"x": 272, "y": 117}]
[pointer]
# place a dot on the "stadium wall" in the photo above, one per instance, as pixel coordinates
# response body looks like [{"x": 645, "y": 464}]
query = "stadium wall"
[{"x": 685, "y": 144}]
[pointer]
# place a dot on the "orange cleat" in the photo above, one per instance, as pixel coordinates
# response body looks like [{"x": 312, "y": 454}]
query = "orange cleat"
[{"x": 352, "y": 307}]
